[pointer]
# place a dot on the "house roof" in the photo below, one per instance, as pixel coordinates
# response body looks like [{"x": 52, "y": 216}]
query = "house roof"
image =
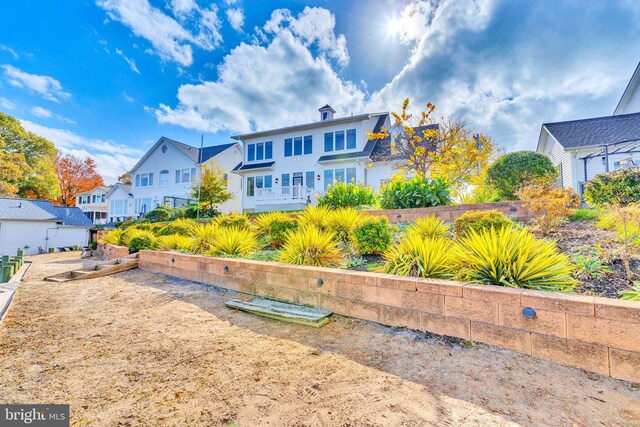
[
  {"x": 597, "y": 131},
  {"x": 192, "y": 153},
  {"x": 368, "y": 149},
  {"x": 382, "y": 149},
  {"x": 305, "y": 126},
  {"x": 106, "y": 188},
  {"x": 125, "y": 187},
  {"x": 41, "y": 210},
  {"x": 632, "y": 86},
  {"x": 252, "y": 166}
]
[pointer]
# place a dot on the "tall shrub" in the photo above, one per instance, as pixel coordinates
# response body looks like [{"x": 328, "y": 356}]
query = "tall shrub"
[
  {"x": 341, "y": 195},
  {"x": 512, "y": 172},
  {"x": 415, "y": 193},
  {"x": 620, "y": 187}
]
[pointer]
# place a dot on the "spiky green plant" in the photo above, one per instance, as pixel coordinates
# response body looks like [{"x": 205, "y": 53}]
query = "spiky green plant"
[
  {"x": 632, "y": 294},
  {"x": 311, "y": 246},
  {"x": 343, "y": 221},
  {"x": 274, "y": 226},
  {"x": 203, "y": 235},
  {"x": 113, "y": 237},
  {"x": 234, "y": 242},
  {"x": 131, "y": 233},
  {"x": 429, "y": 227},
  {"x": 263, "y": 222},
  {"x": 174, "y": 242},
  {"x": 315, "y": 216},
  {"x": 421, "y": 257},
  {"x": 233, "y": 219},
  {"x": 512, "y": 256}
]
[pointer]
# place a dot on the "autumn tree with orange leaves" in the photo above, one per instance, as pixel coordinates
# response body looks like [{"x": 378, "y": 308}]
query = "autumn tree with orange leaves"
[{"x": 76, "y": 175}]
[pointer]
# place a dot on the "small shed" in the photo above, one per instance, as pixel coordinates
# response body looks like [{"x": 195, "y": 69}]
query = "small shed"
[{"x": 32, "y": 224}]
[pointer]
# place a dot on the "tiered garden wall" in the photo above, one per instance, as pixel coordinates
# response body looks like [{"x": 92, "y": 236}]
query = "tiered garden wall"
[
  {"x": 112, "y": 251},
  {"x": 450, "y": 213},
  {"x": 597, "y": 334}
]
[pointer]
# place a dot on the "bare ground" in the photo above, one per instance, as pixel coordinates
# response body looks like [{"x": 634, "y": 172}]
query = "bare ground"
[{"x": 144, "y": 349}]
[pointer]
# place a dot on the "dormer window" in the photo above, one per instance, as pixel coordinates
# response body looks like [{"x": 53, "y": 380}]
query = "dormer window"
[{"x": 326, "y": 113}]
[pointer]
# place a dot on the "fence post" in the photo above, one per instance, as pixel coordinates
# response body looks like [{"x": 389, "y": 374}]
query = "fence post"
[
  {"x": 5, "y": 274},
  {"x": 5, "y": 260}
]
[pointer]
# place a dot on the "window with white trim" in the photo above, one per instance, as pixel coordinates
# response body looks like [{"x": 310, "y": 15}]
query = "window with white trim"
[
  {"x": 144, "y": 179},
  {"x": 184, "y": 176}
]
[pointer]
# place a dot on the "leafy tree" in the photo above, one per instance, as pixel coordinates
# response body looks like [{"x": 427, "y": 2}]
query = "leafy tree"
[
  {"x": 11, "y": 165},
  {"x": 76, "y": 175},
  {"x": 36, "y": 158},
  {"x": 512, "y": 172},
  {"x": 125, "y": 178},
  {"x": 447, "y": 151},
  {"x": 212, "y": 186}
]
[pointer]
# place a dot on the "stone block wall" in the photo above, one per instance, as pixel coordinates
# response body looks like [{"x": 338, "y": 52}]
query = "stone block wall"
[{"x": 596, "y": 334}]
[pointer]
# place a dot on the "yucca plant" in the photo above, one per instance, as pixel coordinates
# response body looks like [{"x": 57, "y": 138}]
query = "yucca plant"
[
  {"x": 343, "y": 221},
  {"x": 429, "y": 227},
  {"x": 233, "y": 242},
  {"x": 131, "y": 233},
  {"x": 203, "y": 235},
  {"x": 632, "y": 294},
  {"x": 180, "y": 226},
  {"x": 113, "y": 237},
  {"x": 467, "y": 199},
  {"x": 311, "y": 246},
  {"x": 274, "y": 225},
  {"x": 233, "y": 219},
  {"x": 174, "y": 242},
  {"x": 315, "y": 216},
  {"x": 421, "y": 257},
  {"x": 512, "y": 256}
]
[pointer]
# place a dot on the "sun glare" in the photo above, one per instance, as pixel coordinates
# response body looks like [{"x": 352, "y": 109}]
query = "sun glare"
[{"x": 393, "y": 27}]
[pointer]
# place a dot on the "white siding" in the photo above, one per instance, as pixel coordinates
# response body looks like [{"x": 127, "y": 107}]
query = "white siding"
[
  {"x": 29, "y": 235},
  {"x": 309, "y": 162},
  {"x": 119, "y": 194},
  {"x": 558, "y": 156},
  {"x": 227, "y": 160}
]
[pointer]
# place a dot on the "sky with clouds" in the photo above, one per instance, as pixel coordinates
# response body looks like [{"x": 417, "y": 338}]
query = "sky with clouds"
[{"x": 107, "y": 78}]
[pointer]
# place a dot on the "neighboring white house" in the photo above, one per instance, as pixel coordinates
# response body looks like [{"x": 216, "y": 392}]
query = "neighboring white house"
[
  {"x": 120, "y": 203},
  {"x": 32, "y": 224},
  {"x": 166, "y": 174},
  {"x": 94, "y": 204},
  {"x": 581, "y": 149},
  {"x": 284, "y": 169},
  {"x": 630, "y": 101}
]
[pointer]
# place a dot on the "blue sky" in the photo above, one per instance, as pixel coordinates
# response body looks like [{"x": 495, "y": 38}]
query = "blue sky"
[{"x": 109, "y": 77}]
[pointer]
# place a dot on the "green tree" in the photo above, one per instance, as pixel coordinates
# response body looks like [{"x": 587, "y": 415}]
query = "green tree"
[
  {"x": 212, "y": 186},
  {"x": 510, "y": 173},
  {"x": 38, "y": 179},
  {"x": 11, "y": 166}
]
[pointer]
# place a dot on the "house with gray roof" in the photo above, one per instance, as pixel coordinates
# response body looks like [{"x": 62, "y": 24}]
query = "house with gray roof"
[
  {"x": 166, "y": 174},
  {"x": 287, "y": 168},
  {"x": 32, "y": 224},
  {"x": 581, "y": 149}
]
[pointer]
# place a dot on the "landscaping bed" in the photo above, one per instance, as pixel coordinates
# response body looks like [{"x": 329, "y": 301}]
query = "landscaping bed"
[{"x": 139, "y": 348}]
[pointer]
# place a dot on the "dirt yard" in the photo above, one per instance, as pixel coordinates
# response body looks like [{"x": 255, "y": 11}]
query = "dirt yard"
[{"x": 143, "y": 349}]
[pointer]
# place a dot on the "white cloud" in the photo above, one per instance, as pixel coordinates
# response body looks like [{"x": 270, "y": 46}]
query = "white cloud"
[
  {"x": 41, "y": 112},
  {"x": 254, "y": 85},
  {"x": 314, "y": 27},
  {"x": 6, "y": 104},
  {"x": 112, "y": 159},
  {"x": 131, "y": 62},
  {"x": 169, "y": 38},
  {"x": 48, "y": 87},
  {"x": 8, "y": 49},
  {"x": 235, "y": 18}
]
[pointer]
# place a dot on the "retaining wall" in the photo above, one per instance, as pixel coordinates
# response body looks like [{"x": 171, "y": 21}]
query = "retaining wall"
[
  {"x": 112, "y": 251},
  {"x": 597, "y": 334},
  {"x": 450, "y": 213}
]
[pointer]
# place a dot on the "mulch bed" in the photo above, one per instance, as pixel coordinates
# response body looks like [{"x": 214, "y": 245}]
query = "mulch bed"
[{"x": 573, "y": 235}]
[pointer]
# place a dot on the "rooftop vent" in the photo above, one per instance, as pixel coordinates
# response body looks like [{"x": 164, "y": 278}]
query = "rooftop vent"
[{"x": 326, "y": 113}]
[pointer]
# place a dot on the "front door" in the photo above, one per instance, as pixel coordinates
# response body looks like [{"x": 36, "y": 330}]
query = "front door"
[{"x": 297, "y": 180}]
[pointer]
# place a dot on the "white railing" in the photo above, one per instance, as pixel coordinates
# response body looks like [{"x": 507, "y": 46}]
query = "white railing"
[{"x": 293, "y": 192}]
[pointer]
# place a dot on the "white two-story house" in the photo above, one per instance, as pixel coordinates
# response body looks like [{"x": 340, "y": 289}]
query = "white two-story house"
[
  {"x": 284, "y": 169},
  {"x": 94, "y": 204},
  {"x": 166, "y": 175}
]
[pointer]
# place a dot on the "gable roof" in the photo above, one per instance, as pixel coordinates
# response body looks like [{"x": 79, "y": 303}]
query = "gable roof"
[
  {"x": 106, "y": 188},
  {"x": 125, "y": 187},
  {"x": 382, "y": 149},
  {"x": 192, "y": 153},
  {"x": 597, "y": 131},
  {"x": 41, "y": 210},
  {"x": 631, "y": 88}
]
